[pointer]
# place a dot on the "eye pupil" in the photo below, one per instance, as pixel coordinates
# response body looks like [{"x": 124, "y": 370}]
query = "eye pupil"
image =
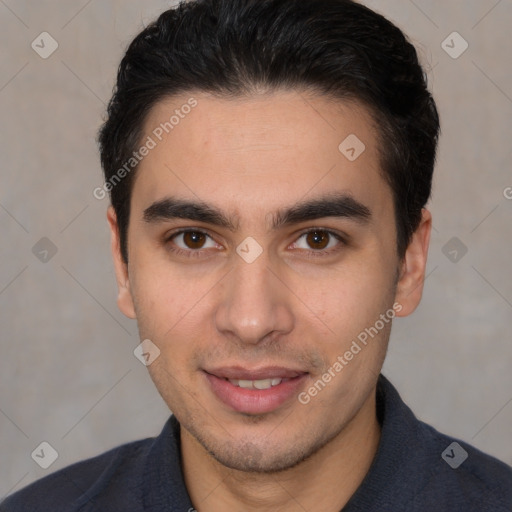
[
  {"x": 194, "y": 239},
  {"x": 318, "y": 237}
]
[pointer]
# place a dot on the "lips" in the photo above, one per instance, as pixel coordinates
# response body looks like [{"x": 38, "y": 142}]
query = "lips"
[{"x": 255, "y": 391}]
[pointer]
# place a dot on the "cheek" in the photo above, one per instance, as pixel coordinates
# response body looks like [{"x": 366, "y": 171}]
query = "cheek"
[
  {"x": 166, "y": 294},
  {"x": 172, "y": 309},
  {"x": 351, "y": 298}
]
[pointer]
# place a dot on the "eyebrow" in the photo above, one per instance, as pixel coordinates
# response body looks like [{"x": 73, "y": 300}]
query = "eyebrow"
[{"x": 332, "y": 205}]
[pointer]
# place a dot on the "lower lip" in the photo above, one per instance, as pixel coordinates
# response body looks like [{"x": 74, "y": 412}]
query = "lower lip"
[{"x": 255, "y": 401}]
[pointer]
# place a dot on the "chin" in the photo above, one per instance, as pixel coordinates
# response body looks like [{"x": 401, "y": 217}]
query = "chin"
[
  {"x": 264, "y": 457},
  {"x": 252, "y": 459}
]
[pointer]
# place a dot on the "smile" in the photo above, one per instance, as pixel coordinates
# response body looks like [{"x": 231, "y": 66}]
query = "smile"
[{"x": 255, "y": 391}]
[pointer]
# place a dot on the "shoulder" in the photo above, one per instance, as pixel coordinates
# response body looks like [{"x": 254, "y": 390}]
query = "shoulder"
[
  {"x": 463, "y": 475},
  {"x": 75, "y": 487},
  {"x": 418, "y": 468}
]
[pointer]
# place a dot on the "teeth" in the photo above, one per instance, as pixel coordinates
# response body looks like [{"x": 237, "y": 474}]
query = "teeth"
[
  {"x": 256, "y": 384},
  {"x": 247, "y": 384},
  {"x": 263, "y": 384}
]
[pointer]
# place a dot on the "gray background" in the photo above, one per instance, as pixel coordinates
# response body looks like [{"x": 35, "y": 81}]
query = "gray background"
[{"x": 67, "y": 370}]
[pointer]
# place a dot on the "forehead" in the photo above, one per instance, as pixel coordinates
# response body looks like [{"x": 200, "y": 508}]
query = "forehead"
[{"x": 259, "y": 152}]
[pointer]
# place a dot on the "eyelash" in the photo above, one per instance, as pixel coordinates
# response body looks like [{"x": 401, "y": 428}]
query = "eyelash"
[{"x": 319, "y": 253}]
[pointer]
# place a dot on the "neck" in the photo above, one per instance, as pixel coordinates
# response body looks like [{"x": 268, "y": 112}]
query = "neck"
[{"x": 325, "y": 481}]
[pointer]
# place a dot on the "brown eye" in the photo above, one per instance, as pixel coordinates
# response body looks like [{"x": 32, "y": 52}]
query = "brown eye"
[
  {"x": 194, "y": 239},
  {"x": 318, "y": 239},
  {"x": 318, "y": 242}
]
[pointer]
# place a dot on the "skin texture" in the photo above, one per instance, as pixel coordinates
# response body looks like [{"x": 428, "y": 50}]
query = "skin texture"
[{"x": 250, "y": 157}]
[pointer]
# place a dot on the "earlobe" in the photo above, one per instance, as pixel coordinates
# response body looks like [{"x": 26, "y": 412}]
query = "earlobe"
[
  {"x": 410, "y": 284},
  {"x": 124, "y": 297}
]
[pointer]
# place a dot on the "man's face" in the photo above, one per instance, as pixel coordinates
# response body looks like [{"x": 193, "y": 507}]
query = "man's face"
[{"x": 268, "y": 299}]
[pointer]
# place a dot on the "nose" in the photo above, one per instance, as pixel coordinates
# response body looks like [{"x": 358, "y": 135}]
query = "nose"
[{"x": 255, "y": 304}]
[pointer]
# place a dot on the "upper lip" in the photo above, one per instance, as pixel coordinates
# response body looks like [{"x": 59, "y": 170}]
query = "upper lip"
[{"x": 267, "y": 372}]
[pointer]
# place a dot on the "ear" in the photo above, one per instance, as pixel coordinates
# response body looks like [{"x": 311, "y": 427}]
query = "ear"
[
  {"x": 124, "y": 296},
  {"x": 412, "y": 275}
]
